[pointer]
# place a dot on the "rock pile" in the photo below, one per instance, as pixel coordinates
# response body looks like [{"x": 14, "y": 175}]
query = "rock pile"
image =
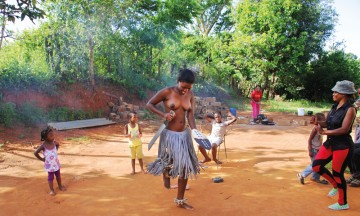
[
  {"x": 204, "y": 105},
  {"x": 120, "y": 111}
]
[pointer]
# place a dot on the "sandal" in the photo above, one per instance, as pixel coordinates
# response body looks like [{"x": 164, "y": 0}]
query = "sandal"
[
  {"x": 355, "y": 183},
  {"x": 301, "y": 179},
  {"x": 322, "y": 181},
  {"x": 218, "y": 162},
  {"x": 350, "y": 179}
]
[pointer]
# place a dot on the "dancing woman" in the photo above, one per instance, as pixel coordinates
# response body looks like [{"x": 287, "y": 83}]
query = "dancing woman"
[
  {"x": 339, "y": 145},
  {"x": 176, "y": 156}
]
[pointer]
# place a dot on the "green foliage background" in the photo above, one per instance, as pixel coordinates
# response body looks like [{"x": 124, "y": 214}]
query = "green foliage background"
[{"x": 140, "y": 45}]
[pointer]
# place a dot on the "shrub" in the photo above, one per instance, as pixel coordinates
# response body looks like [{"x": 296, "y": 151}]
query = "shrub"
[
  {"x": 66, "y": 114},
  {"x": 79, "y": 115},
  {"x": 30, "y": 115},
  {"x": 59, "y": 114},
  {"x": 8, "y": 113},
  {"x": 99, "y": 114}
]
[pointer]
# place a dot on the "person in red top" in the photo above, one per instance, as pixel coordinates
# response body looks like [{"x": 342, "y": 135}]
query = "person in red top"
[{"x": 256, "y": 96}]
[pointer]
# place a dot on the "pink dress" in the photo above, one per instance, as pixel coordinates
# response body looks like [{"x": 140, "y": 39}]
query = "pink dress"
[{"x": 52, "y": 163}]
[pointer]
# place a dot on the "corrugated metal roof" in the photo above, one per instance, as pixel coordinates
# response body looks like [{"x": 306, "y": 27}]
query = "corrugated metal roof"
[{"x": 80, "y": 123}]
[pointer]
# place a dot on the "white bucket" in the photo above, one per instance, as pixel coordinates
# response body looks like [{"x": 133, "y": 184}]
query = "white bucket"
[{"x": 301, "y": 111}]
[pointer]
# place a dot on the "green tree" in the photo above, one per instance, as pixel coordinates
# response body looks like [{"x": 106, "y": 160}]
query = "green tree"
[
  {"x": 17, "y": 10},
  {"x": 200, "y": 46},
  {"x": 275, "y": 39},
  {"x": 117, "y": 40},
  {"x": 325, "y": 71},
  {"x": 213, "y": 14}
]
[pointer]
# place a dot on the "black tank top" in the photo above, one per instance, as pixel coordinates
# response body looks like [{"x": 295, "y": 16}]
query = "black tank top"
[{"x": 334, "y": 120}]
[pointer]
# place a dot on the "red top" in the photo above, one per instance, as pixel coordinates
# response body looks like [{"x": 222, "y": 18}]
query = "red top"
[{"x": 256, "y": 95}]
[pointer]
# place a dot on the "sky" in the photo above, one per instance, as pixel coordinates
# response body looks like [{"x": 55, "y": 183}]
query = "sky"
[
  {"x": 346, "y": 30},
  {"x": 348, "y": 26}
]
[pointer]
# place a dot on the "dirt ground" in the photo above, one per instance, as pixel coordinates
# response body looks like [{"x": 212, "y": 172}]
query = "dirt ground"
[{"x": 259, "y": 175}]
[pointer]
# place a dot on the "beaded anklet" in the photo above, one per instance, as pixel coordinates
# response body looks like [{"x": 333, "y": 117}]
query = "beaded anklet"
[{"x": 180, "y": 201}]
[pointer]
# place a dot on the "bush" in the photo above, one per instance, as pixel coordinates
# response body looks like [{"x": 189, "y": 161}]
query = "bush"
[
  {"x": 65, "y": 114},
  {"x": 59, "y": 114},
  {"x": 30, "y": 115},
  {"x": 7, "y": 114},
  {"x": 79, "y": 114},
  {"x": 99, "y": 114}
]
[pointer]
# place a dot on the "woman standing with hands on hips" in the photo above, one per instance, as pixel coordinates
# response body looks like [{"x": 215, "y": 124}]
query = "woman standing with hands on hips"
[
  {"x": 339, "y": 145},
  {"x": 176, "y": 155}
]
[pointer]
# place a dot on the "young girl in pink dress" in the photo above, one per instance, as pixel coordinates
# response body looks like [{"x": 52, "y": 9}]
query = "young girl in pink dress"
[{"x": 51, "y": 162}]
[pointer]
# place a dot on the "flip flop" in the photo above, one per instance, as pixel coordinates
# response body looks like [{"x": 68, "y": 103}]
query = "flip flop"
[{"x": 323, "y": 181}]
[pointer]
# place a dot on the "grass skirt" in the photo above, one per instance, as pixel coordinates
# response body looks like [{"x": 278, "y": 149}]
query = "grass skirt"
[{"x": 176, "y": 153}]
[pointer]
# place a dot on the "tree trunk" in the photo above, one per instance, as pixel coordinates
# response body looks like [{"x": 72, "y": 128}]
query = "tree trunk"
[
  {"x": 91, "y": 61},
  {"x": 266, "y": 86},
  {"x": 122, "y": 69},
  {"x": 159, "y": 68},
  {"x": 151, "y": 72},
  {"x": 272, "y": 87},
  {"x": 172, "y": 70},
  {"x": 2, "y": 28},
  {"x": 108, "y": 68},
  {"x": 61, "y": 59}
]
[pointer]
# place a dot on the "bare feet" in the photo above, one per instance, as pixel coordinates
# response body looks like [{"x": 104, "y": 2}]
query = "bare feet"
[
  {"x": 185, "y": 206},
  {"x": 62, "y": 188},
  {"x": 205, "y": 160},
  {"x": 144, "y": 171},
  {"x": 132, "y": 173},
  {"x": 52, "y": 193},
  {"x": 217, "y": 161}
]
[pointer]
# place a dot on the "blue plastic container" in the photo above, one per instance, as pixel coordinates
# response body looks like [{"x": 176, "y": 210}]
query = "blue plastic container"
[{"x": 233, "y": 111}]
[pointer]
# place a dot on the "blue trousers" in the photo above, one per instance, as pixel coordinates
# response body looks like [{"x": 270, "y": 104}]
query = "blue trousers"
[{"x": 308, "y": 170}]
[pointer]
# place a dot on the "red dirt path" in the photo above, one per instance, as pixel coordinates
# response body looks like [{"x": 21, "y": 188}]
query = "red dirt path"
[{"x": 259, "y": 176}]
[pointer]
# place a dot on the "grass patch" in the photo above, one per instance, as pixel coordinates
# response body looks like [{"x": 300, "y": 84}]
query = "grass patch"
[
  {"x": 292, "y": 106},
  {"x": 243, "y": 104}
]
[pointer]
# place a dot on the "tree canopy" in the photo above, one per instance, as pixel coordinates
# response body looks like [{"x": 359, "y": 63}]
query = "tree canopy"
[
  {"x": 10, "y": 11},
  {"x": 279, "y": 44}
]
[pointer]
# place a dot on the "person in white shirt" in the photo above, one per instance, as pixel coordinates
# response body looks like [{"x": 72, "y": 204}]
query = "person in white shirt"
[{"x": 217, "y": 135}]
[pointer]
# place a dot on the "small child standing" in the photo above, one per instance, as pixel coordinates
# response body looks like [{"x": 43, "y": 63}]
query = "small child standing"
[
  {"x": 314, "y": 144},
  {"x": 51, "y": 162},
  {"x": 134, "y": 133}
]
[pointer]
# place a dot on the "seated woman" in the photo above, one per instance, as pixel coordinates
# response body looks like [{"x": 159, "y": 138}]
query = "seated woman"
[{"x": 217, "y": 135}]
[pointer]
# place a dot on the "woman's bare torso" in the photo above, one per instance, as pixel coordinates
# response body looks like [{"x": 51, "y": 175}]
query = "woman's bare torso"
[{"x": 180, "y": 104}]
